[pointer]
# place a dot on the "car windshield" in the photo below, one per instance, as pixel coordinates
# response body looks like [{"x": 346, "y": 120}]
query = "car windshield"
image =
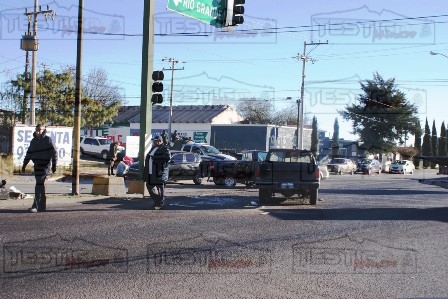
[
  {"x": 400, "y": 162},
  {"x": 210, "y": 150},
  {"x": 337, "y": 161},
  {"x": 104, "y": 141},
  {"x": 366, "y": 161}
]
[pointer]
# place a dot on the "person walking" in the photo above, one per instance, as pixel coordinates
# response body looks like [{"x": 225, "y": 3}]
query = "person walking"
[
  {"x": 43, "y": 153},
  {"x": 175, "y": 136},
  {"x": 165, "y": 138},
  {"x": 156, "y": 171},
  {"x": 113, "y": 152}
]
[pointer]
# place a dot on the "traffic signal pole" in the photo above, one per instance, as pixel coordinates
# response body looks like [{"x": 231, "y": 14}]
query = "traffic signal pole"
[{"x": 146, "y": 81}]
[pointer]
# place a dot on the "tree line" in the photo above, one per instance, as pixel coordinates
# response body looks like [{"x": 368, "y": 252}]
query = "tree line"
[{"x": 55, "y": 98}]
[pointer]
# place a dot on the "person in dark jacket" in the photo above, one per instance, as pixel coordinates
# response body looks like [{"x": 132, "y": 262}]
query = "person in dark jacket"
[
  {"x": 155, "y": 172},
  {"x": 43, "y": 153},
  {"x": 165, "y": 138},
  {"x": 113, "y": 152}
]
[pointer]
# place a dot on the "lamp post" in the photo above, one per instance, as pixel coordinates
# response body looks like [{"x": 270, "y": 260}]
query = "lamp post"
[{"x": 435, "y": 53}]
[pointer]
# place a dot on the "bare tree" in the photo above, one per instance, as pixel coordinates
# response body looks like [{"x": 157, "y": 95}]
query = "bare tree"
[
  {"x": 98, "y": 87},
  {"x": 256, "y": 111}
]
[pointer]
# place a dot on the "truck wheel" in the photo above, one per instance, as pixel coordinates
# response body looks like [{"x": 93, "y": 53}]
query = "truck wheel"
[
  {"x": 313, "y": 196},
  {"x": 229, "y": 181},
  {"x": 197, "y": 179},
  {"x": 218, "y": 181},
  {"x": 264, "y": 195},
  {"x": 104, "y": 155}
]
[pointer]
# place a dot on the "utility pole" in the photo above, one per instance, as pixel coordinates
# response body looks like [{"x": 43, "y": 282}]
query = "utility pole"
[
  {"x": 34, "y": 40},
  {"x": 172, "y": 69},
  {"x": 304, "y": 58},
  {"x": 27, "y": 63},
  {"x": 78, "y": 95}
]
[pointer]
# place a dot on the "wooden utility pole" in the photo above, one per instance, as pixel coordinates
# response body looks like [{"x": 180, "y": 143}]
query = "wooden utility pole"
[
  {"x": 305, "y": 58},
  {"x": 78, "y": 95},
  {"x": 172, "y": 69}
]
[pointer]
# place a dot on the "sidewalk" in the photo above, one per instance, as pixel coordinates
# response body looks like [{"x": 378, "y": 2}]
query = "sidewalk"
[{"x": 61, "y": 197}]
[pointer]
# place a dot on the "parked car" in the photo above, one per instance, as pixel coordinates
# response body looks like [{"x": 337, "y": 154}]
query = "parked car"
[
  {"x": 98, "y": 146},
  {"x": 341, "y": 165},
  {"x": 359, "y": 164},
  {"x": 368, "y": 166},
  {"x": 182, "y": 166},
  {"x": 402, "y": 166},
  {"x": 205, "y": 151}
]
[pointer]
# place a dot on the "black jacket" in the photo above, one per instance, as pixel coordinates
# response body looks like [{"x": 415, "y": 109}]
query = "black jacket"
[
  {"x": 160, "y": 162},
  {"x": 42, "y": 152}
]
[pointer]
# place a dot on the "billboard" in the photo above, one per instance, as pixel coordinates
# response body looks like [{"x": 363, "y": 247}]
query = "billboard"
[{"x": 61, "y": 136}]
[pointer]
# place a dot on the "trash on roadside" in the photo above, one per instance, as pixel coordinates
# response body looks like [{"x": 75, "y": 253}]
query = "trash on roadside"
[
  {"x": 16, "y": 193},
  {"x": 122, "y": 169}
]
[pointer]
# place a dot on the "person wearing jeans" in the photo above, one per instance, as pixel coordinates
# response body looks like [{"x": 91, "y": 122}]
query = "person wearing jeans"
[
  {"x": 156, "y": 171},
  {"x": 43, "y": 153}
]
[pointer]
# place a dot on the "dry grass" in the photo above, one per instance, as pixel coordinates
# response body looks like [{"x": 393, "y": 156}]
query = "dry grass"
[{"x": 6, "y": 166}]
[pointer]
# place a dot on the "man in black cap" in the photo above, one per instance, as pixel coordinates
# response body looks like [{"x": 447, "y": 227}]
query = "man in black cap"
[
  {"x": 155, "y": 173},
  {"x": 43, "y": 153}
]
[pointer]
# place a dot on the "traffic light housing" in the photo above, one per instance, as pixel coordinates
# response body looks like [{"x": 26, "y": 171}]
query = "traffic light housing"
[
  {"x": 157, "y": 87},
  {"x": 235, "y": 11}
]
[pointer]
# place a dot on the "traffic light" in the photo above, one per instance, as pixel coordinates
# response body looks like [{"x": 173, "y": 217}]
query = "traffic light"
[
  {"x": 235, "y": 11},
  {"x": 157, "y": 87}
]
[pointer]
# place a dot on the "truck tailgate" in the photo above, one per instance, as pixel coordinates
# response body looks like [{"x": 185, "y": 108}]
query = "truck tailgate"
[{"x": 271, "y": 172}]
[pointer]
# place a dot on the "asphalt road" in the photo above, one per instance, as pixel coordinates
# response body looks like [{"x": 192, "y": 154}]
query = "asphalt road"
[{"x": 378, "y": 236}]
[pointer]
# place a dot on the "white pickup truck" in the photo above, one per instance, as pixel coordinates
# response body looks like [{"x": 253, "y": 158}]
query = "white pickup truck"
[{"x": 97, "y": 146}]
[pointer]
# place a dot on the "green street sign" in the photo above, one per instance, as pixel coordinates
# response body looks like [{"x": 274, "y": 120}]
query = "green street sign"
[
  {"x": 200, "y": 137},
  {"x": 211, "y": 12}
]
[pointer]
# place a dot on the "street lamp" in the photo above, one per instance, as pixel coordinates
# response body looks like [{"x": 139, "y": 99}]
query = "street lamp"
[{"x": 435, "y": 53}]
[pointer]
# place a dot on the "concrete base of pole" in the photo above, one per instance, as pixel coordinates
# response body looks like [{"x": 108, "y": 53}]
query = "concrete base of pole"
[
  {"x": 137, "y": 187},
  {"x": 108, "y": 185}
]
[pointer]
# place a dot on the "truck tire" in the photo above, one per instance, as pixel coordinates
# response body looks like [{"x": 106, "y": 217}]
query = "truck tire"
[
  {"x": 218, "y": 181},
  {"x": 229, "y": 181},
  {"x": 104, "y": 154},
  {"x": 313, "y": 196},
  {"x": 197, "y": 179},
  {"x": 264, "y": 195}
]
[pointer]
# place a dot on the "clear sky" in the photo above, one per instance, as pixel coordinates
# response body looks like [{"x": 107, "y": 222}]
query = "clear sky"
[{"x": 256, "y": 60}]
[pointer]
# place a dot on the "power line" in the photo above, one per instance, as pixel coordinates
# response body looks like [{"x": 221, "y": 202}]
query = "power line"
[{"x": 277, "y": 30}]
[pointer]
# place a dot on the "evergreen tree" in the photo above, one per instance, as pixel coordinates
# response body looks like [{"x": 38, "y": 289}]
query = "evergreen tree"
[
  {"x": 335, "y": 141},
  {"x": 314, "y": 138},
  {"x": 434, "y": 143},
  {"x": 55, "y": 97},
  {"x": 382, "y": 115},
  {"x": 418, "y": 145},
  {"x": 442, "y": 141},
  {"x": 426, "y": 147}
]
